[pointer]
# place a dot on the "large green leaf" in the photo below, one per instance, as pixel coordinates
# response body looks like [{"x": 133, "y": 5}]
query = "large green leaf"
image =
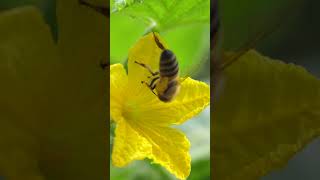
[
  {"x": 165, "y": 14},
  {"x": 192, "y": 51},
  {"x": 189, "y": 39},
  {"x": 144, "y": 171},
  {"x": 267, "y": 112},
  {"x": 123, "y": 26}
]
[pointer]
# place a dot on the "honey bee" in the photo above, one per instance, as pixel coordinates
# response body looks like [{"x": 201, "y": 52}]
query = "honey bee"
[{"x": 165, "y": 81}]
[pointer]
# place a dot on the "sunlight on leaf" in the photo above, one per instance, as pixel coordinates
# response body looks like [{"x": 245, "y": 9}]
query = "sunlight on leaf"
[{"x": 275, "y": 112}]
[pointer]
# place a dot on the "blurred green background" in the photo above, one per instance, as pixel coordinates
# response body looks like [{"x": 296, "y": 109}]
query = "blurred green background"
[{"x": 190, "y": 42}]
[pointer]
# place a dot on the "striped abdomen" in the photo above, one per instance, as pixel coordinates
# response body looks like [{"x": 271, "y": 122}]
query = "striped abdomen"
[
  {"x": 169, "y": 72},
  {"x": 168, "y": 65}
]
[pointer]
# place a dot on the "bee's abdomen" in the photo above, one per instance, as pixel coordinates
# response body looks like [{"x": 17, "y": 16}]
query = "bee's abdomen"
[
  {"x": 168, "y": 64},
  {"x": 170, "y": 92}
]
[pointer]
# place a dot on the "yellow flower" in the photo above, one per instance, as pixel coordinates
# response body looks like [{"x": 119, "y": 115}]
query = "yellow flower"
[{"x": 143, "y": 121}]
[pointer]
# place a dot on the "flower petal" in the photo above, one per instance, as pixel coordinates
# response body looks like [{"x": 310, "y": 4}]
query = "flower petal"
[
  {"x": 194, "y": 96},
  {"x": 170, "y": 148},
  {"x": 129, "y": 145},
  {"x": 118, "y": 85},
  {"x": 165, "y": 146}
]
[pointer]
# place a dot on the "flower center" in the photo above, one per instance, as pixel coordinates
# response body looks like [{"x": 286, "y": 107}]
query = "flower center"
[{"x": 129, "y": 111}]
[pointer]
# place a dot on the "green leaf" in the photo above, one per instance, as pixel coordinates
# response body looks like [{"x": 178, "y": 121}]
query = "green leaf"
[
  {"x": 200, "y": 170},
  {"x": 165, "y": 14},
  {"x": 191, "y": 52},
  {"x": 140, "y": 171},
  {"x": 119, "y": 28},
  {"x": 267, "y": 112},
  {"x": 144, "y": 171},
  {"x": 175, "y": 20}
]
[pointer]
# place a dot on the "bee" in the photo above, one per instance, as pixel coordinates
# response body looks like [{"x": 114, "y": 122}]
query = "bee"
[{"x": 165, "y": 81}]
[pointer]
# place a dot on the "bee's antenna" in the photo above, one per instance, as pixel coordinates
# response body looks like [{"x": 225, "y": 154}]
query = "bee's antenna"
[
  {"x": 143, "y": 82},
  {"x": 158, "y": 42}
]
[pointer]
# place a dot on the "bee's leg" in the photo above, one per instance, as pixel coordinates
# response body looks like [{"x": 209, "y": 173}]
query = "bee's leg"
[
  {"x": 148, "y": 68},
  {"x": 149, "y": 86},
  {"x": 152, "y": 83},
  {"x": 103, "y": 10}
]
